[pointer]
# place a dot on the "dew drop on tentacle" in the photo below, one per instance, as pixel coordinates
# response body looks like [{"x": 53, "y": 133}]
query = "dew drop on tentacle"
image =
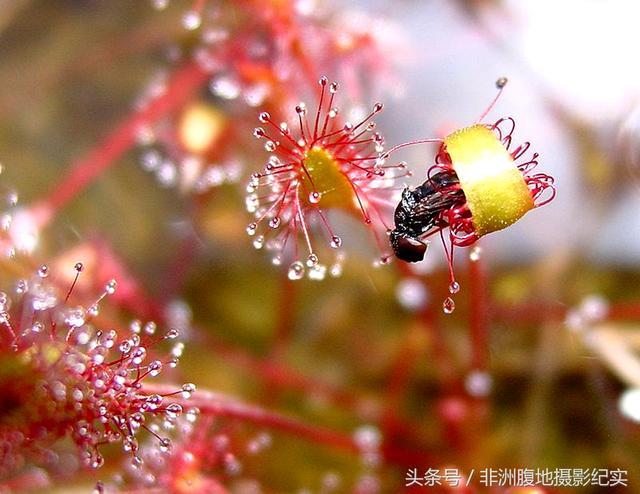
[
  {"x": 448, "y": 306},
  {"x": 110, "y": 287},
  {"x": 136, "y": 462},
  {"x": 318, "y": 272},
  {"x": 97, "y": 462},
  {"x": 258, "y": 242},
  {"x": 255, "y": 179},
  {"x": 475, "y": 254},
  {"x": 172, "y": 334},
  {"x": 150, "y": 328},
  {"x": 314, "y": 197},
  {"x": 296, "y": 270},
  {"x": 165, "y": 444},
  {"x": 274, "y": 162},
  {"x": 274, "y": 222},
  {"x": 187, "y": 390},
  {"x": 501, "y": 82},
  {"x": 155, "y": 367},
  {"x": 252, "y": 203},
  {"x": 22, "y": 286}
]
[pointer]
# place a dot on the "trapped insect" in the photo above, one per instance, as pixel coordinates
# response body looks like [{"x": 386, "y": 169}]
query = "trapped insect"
[{"x": 478, "y": 185}]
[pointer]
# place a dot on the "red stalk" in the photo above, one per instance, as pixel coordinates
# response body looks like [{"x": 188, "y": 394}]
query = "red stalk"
[{"x": 187, "y": 79}]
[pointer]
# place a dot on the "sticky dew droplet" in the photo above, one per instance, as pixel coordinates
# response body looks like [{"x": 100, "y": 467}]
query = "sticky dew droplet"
[{"x": 448, "y": 306}]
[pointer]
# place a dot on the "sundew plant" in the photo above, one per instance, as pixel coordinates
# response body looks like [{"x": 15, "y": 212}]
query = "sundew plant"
[{"x": 302, "y": 246}]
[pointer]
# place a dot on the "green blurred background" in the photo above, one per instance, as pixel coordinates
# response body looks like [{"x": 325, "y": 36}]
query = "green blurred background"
[{"x": 519, "y": 375}]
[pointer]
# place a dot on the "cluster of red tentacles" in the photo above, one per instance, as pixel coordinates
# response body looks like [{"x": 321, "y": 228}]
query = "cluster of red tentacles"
[{"x": 458, "y": 218}]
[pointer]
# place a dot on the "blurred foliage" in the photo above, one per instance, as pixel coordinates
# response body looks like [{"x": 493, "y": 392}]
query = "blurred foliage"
[{"x": 71, "y": 70}]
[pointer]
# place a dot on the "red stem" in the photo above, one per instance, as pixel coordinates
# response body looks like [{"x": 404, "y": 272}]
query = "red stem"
[
  {"x": 286, "y": 316},
  {"x": 398, "y": 384},
  {"x": 220, "y": 405},
  {"x": 428, "y": 317},
  {"x": 535, "y": 313},
  {"x": 283, "y": 332},
  {"x": 442, "y": 355},
  {"x": 271, "y": 371},
  {"x": 277, "y": 374},
  {"x": 625, "y": 311},
  {"x": 187, "y": 79}
]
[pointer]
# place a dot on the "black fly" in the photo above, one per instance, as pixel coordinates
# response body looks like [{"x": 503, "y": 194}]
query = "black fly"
[{"x": 419, "y": 213}]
